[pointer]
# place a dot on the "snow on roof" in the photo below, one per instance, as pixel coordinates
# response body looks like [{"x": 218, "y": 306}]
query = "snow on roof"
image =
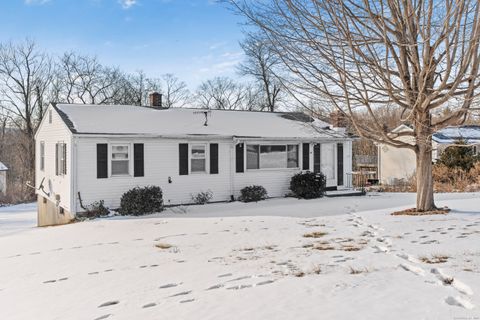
[
  {"x": 3, "y": 167},
  {"x": 134, "y": 120},
  {"x": 471, "y": 134}
]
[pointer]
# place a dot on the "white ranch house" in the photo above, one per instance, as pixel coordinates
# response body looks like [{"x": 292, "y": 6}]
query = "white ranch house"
[{"x": 90, "y": 152}]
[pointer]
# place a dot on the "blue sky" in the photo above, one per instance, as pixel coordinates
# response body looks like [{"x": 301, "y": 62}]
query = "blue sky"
[{"x": 194, "y": 39}]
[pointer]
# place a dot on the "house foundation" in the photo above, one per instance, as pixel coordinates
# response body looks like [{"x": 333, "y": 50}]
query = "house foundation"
[{"x": 50, "y": 214}]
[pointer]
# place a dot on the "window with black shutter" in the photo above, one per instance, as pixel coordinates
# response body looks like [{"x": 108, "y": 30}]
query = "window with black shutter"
[
  {"x": 183, "y": 158},
  {"x": 102, "y": 161},
  {"x": 239, "y": 157},
  {"x": 306, "y": 156},
  {"x": 138, "y": 160},
  {"x": 213, "y": 158}
]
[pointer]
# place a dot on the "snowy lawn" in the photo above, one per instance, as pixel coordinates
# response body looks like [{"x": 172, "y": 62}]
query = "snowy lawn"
[{"x": 336, "y": 258}]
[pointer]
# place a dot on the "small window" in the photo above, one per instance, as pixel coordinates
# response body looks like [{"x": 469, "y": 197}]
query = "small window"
[
  {"x": 198, "y": 162},
  {"x": 120, "y": 160},
  {"x": 50, "y": 116},
  {"x": 42, "y": 155},
  {"x": 61, "y": 159}
]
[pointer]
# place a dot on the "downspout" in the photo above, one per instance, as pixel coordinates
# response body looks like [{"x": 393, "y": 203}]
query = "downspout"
[
  {"x": 232, "y": 168},
  {"x": 74, "y": 171}
]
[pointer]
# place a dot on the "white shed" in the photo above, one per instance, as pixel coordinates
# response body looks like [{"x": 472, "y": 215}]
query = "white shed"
[
  {"x": 3, "y": 179},
  {"x": 100, "y": 152}
]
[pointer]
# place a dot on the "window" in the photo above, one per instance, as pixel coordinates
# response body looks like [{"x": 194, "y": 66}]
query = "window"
[
  {"x": 120, "y": 160},
  {"x": 253, "y": 156},
  {"x": 49, "y": 116},
  {"x": 61, "y": 159},
  {"x": 42, "y": 155},
  {"x": 292, "y": 156},
  {"x": 272, "y": 156},
  {"x": 198, "y": 158}
]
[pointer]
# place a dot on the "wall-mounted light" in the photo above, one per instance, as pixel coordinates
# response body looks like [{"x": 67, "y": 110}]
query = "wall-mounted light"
[{"x": 169, "y": 179}]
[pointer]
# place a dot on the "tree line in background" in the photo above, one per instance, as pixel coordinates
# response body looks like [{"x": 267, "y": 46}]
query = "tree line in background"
[{"x": 30, "y": 79}]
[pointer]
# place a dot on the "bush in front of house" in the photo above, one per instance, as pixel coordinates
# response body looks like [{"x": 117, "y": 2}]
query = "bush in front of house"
[
  {"x": 308, "y": 185},
  {"x": 253, "y": 194},
  {"x": 202, "y": 197},
  {"x": 139, "y": 201},
  {"x": 459, "y": 156},
  {"x": 98, "y": 209}
]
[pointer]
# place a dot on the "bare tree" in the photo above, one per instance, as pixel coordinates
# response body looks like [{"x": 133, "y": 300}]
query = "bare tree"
[
  {"x": 83, "y": 79},
  {"x": 175, "y": 92},
  {"x": 361, "y": 56},
  {"x": 259, "y": 64},
  {"x": 25, "y": 78},
  {"x": 221, "y": 93}
]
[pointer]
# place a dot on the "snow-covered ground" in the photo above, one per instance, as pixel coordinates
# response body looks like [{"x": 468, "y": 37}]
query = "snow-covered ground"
[{"x": 248, "y": 261}]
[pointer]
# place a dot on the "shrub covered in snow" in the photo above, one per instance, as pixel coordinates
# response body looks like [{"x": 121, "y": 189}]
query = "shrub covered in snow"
[
  {"x": 202, "y": 197},
  {"x": 98, "y": 209},
  {"x": 308, "y": 185},
  {"x": 253, "y": 193},
  {"x": 140, "y": 201}
]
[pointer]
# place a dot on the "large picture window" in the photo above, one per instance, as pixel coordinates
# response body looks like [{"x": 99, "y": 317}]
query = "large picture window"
[
  {"x": 120, "y": 160},
  {"x": 198, "y": 159},
  {"x": 272, "y": 156}
]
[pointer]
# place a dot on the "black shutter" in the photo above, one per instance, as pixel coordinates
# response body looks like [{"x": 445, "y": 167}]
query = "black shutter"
[
  {"x": 339, "y": 164},
  {"x": 317, "y": 158},
  {"x": 102, "y": 161},
  {"x": 138, "y": 160},
  {"x": 183, "y": 158},
  {"x": 213, "y": 158},
  {"x": 306, "y": 156},
  {"x": 239, "y": 150},
  {"x": 56, "y": 159}
]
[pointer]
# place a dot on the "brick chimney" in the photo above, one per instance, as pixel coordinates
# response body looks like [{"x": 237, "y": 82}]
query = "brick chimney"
[
  {"x": 155, "y": 100},
  {"x": 338, "y": 120}
]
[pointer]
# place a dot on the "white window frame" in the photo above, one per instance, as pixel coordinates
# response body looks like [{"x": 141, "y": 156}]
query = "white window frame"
[
  {"x": 42, "y": 155},
  {"x": 110, "y": 159},
  {"x": 190, "y": 158},
  {"x": 272, "y": 144}
]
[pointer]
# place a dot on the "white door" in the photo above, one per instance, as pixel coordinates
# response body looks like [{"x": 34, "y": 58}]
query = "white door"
[{"x": 328, "y": 163}]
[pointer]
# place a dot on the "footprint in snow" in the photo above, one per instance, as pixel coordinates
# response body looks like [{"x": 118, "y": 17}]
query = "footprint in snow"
[
  {"x": 77, "y": 247},
  {"x": 460, "y": 302},
  {"x": 183, "y": 293},
  {"x": 169, "y": 285},
  {"x": 92, "y": 273},
  {"x": 109, "y": 303},
  {"x": 149, "y": 305},
  {"x": 262, "y": 283},
  {"x": 239, "y": 287},
  {"x": 108, "y": 270},
  {"x": 103, "y": 317},
  {"x": 455, "y": 283},
  {"x": 50, "y": 281},
  {"x": 225, "y": 275},
  {"x": 153, "y": 265},
  {"x": 142, "y": 267},
  {"x": 240, "y": 278},
  {"x": 34, "y": 253},
  {"x": 187, "y": 301},
  {"x": 217, "y": 286},
  {"x": 416, "y": 270}
]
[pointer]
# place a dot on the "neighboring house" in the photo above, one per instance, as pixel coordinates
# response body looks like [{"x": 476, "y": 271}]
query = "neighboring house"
[
  {"x": 89, "y": 153},
  {"x": 399, "y": 164},
  {"x": 3, "y": 179}
]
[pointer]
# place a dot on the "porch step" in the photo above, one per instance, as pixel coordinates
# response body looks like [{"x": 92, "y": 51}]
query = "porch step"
[{"x": 344, "y": 193}]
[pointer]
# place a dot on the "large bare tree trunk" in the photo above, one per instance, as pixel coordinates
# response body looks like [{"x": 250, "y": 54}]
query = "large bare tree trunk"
[{"x": 425, "y": 201}]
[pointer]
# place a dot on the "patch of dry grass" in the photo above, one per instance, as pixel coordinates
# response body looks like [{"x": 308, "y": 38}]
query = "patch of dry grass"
[
  {"x": 315, "y": 234},
  {"x": 322, "y": 246},
  {"x": 437, "y": 258},
  {"x": 358, "y": 271},
  {"x": 163, "y": 246}
]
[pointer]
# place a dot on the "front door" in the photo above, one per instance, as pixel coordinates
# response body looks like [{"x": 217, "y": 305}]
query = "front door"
[{"x": 327, "y": 160}]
